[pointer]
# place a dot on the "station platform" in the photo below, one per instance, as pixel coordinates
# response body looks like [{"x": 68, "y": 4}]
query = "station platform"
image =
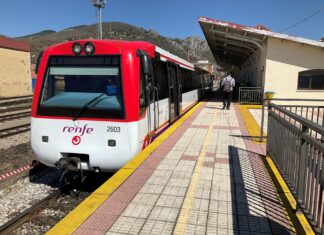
[{"x": 201, "y": 176}]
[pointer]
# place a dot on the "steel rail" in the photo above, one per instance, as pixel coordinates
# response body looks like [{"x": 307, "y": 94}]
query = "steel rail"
[
  {"x": 14, "y": 115},
  {"x": 17, "y": 97},
  {"x": 14, "y": 130},
  {"x": 15, "y": 108},
  {"x": 13, "y": 102},
  {"x": 20, "y": 219}
]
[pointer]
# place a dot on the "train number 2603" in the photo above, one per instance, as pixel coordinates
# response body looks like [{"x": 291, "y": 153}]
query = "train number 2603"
[{"x": 113, "y": 129}]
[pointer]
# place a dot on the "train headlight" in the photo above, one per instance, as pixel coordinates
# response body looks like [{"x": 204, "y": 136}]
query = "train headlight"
[
  {"x": 77, "y": 48},
  {"x": 89, "y": 48}
]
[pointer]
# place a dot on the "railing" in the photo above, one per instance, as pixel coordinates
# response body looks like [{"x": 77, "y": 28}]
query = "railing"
[
  {"x": 296, "y": 144},
  {"x": 312, "y": 113},
  {"x": 250, "y": 95}
]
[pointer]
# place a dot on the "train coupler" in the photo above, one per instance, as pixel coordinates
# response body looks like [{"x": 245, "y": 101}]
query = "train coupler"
[{"x": 72, "y": 169}]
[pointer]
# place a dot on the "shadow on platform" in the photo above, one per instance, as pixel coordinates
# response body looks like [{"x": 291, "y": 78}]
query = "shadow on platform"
[{"x": 256, "y": 207}]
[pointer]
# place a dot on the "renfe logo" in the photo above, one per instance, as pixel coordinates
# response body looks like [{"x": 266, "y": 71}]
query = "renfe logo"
[
  {"x": 76, "y": 129},
  {"x": 76, "y": 140}
]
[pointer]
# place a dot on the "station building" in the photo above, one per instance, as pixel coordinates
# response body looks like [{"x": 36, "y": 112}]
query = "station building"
[
  {"x": 291, "y": 67},
  {"x": 206, "y": 65},
  {"x": 15, "y": 74}
]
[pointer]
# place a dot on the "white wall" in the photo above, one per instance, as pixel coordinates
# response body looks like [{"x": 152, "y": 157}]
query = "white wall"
[{"x": 284, "y": 60}]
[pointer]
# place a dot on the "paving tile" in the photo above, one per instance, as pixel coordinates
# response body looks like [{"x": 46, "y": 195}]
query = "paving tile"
[
  {"x": 145, "y": 199},
  {"x": 157, "y": 227},
  {"x": 169, "y": 201},
  {"x": 174, "y": 191},
  {"x": 152, "y": 188},
  {"x": 87, "y": 231},
  {"x": 137, "y": 210},
  {"x": 164, "y": 214},
  {"x": 127, "y": 225}
]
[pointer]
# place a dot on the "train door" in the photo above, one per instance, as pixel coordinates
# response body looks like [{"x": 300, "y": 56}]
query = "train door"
[{"x": 174, "y": 100}]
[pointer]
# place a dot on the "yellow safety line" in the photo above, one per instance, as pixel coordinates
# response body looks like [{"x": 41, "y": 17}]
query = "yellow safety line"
[
  {"x": 251, "y": 125},
  {"x": 304, "y": 223},
  {"x": 284, "y": 187},
  {"x": 189, "y": 198},
  {"x": 284, "y": 191},
  {"x": 76, "y": 217}
]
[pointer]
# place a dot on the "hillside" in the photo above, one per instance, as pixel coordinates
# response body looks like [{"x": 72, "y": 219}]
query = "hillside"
[{"x": 198, "y": 48}]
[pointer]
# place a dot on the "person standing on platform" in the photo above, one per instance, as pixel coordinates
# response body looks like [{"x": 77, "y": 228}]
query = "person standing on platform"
[{"x": 227, "y": 84}]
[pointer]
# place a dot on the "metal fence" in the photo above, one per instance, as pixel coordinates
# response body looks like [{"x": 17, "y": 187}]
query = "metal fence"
[
  {"x": 312, "y": 113},
  {"x": 250, "y": 95},
  {"x": 296, "y": 144}
]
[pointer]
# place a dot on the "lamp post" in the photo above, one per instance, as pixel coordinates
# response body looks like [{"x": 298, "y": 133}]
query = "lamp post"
[{"x": 99, "y": 4}]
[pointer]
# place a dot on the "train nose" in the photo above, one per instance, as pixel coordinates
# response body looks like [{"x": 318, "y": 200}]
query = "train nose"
[{"x": 92, "y": 143}]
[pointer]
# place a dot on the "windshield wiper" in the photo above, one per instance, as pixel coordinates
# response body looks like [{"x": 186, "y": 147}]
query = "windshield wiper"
[{"x": 84, "y": 107}]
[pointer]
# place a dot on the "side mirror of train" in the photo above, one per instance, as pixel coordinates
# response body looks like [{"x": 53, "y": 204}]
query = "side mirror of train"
[
  {"x": 146, "y": 62},
  {"x": 147, "y": 65}
]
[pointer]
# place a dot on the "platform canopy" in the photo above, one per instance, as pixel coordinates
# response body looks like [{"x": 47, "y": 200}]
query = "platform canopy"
[{"x": 232, "y": 44}]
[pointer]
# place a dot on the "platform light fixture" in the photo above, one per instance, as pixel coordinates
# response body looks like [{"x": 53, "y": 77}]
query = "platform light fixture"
[{"x": 99, "y": 4}]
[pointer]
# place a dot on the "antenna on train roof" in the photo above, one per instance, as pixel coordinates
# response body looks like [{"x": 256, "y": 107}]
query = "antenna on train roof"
[{"x": 99, "y": 4}]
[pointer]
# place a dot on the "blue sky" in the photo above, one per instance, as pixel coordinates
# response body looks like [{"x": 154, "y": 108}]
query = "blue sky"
[{"x": 172, "y": 18}]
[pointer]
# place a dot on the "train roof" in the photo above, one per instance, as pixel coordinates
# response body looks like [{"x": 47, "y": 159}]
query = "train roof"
[{"x": 164, "y": 55}]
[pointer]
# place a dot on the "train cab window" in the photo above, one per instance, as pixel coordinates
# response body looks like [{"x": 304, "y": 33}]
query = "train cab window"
[
  {"x": 311, "y": 80},
  {"x": 70, "y": 86}
]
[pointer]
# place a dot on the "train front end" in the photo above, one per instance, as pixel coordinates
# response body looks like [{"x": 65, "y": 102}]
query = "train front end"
[{"x": 79, "y": 117}]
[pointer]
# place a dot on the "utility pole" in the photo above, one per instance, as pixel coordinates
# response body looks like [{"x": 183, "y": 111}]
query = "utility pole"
[{"x": 99, "y": 4}]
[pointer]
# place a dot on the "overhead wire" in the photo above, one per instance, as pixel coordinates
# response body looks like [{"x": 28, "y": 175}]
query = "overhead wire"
[{"x": 303, "y": 20}]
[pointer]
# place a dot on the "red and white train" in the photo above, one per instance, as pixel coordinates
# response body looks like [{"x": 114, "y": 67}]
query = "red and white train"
[{"x": 97, "y": 103}]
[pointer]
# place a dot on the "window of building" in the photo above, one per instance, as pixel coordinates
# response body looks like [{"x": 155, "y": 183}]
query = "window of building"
[{"x": 311, "y": 80}]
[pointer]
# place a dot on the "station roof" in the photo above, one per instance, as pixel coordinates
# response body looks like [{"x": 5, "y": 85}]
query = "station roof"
[
  {"x": 10, "y": 43},
  {"x": 233, "y": 43}
]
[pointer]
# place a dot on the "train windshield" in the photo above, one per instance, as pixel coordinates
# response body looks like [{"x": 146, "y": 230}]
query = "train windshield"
[{"x": 71, "y": 83}]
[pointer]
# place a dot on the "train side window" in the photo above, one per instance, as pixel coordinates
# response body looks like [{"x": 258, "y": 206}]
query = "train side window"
[
  {"x": 190, "y": 82},
  {"x": 183, "y": 76},
  {"x": 186, "y": 80},
  {"x": 161, "y": 79},
  {"x": 142, "y": 105}
]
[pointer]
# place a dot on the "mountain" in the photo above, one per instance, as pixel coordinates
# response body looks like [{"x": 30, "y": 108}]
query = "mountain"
[{"x": 196, "y": 47}]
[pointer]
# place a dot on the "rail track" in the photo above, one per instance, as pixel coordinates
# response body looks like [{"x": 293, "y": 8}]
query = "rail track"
[
  {"x": 13, "y": 108},
  {"x": 4, "y": 103},
  {"x": 72, "y": 193},
  {"x": 14, "y": 115},
  {"x": 24, "y": 216},
  {"x": 14, "y": 98},
  {"x": 9, "y": 131}
]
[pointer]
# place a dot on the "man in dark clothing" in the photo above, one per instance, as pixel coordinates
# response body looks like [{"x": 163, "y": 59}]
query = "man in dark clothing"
[{"x": 227, "y": 84}]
